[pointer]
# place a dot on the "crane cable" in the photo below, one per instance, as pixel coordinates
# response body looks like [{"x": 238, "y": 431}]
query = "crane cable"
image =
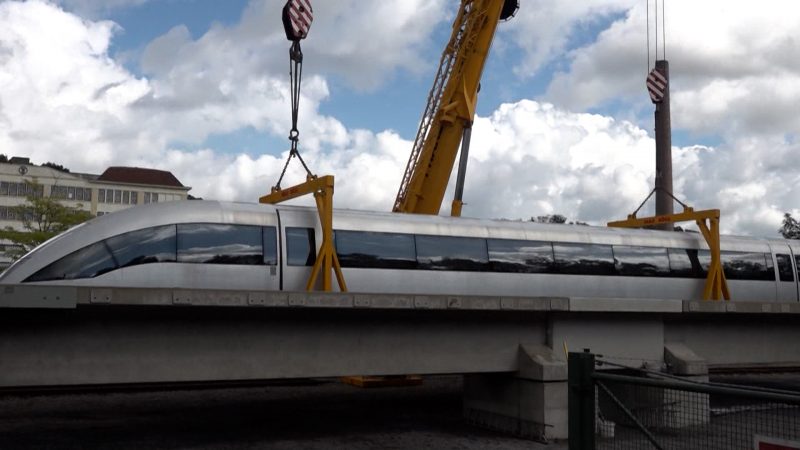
[
  {"x": 297, "y": 17},
  {"x": 663, "y": 30}
]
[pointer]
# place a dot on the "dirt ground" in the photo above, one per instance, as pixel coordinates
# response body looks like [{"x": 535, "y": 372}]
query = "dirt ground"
[{"x": 316, "y": 414}]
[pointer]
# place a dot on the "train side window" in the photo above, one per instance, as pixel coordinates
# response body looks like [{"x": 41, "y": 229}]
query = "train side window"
[
  {"x": 452, "y": 253},
  {"x": 87, "y": 262},
  {"x": 150, "y": 245},
  {"x": 689, "y": 263},
  {"x": 641, "y": 261},
  {"x": 300, "y": 246},
  {"x": 270, "y": 246},
  {"x": 509, "y": 255},
  {"x": 797, "y": 265},
  {"x": 785, "y": 272},
  {"x": 375, "y": 250},
  {"x": 584, "y": 259},
  {"x": 746, "y": 266},
  {"x": 219, "y": 244}
]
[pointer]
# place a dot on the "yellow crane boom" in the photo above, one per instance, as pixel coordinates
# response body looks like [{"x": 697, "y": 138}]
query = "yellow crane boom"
[{"x": 451, "y": 105}]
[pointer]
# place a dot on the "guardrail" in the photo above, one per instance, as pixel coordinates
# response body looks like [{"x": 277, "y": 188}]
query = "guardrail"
[{"x": 643, "y": 409}]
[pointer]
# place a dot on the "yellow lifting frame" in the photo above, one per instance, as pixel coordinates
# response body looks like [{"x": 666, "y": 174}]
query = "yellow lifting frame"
[
  {"x": 708, "y": 221},
  {"x": 322, "y": 188}
]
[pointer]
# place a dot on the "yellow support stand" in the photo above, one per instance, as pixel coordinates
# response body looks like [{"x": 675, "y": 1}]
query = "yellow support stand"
[
  {"x": 327, "y": 261},
  {"x": 716, "y": 286}
]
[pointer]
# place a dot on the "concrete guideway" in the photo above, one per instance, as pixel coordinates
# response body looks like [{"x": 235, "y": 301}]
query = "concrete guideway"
[
  {"x": 23, "y": 296},
  {"x": 512, "y": 349}
]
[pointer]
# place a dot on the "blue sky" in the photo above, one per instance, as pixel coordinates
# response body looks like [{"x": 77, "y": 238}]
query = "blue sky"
[
  {"x": 564, "y": 123},
  {"x": 395, "y": 104},
  {"x": 145, "y": 22}
]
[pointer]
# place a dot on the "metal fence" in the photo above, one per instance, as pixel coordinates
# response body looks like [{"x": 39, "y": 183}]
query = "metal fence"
[{"x": 632, "y": 408}]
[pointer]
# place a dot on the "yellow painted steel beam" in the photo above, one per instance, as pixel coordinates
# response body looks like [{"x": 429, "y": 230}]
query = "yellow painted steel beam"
[
  {"x": 327, "y": 260},
  {"x": 451, "y": 107},
  {"x": 716, "y": 286},
  {"x": 455, "y": 208},
  {"x": 688, "y": 215}
]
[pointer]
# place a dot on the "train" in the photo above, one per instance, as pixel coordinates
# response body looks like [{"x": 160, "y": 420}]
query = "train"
[{"x": 203, "y": 244}]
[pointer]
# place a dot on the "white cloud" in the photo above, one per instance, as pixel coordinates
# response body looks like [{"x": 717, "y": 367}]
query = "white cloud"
[
  {"x": 543, "y": 28},
  {"x": 64, "y": 99},
  {"x": 97, "y": 8},
  {"x": 58, "y": 89},
  {"x": 731, "y": 63},
  {"x": 363, "y": 42}
]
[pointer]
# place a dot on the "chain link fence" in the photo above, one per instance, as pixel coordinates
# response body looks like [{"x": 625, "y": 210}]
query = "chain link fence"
[{"x": 630, "y": 408}]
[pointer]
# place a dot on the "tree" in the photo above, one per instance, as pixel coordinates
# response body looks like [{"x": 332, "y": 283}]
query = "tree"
[
  {"x": 55, "y": 166},
  {"x": 790, "y": 228},
  {"x": 42, "y": 218},
  {"x": 556, "y": 218}
]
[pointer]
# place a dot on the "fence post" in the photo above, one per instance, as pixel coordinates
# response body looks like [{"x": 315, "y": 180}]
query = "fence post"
[{"x": 581, "y": 400}]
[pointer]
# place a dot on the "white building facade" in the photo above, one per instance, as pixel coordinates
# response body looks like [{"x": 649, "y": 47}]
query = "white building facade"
[{"x": 115, "y": 189}]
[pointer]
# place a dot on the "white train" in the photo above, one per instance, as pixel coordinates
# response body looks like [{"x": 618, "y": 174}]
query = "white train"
[{"x": 219, "y": 245}]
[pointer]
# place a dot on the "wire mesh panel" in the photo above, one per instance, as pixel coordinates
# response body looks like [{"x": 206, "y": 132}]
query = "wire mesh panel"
[{"x": 631, "y": 416}]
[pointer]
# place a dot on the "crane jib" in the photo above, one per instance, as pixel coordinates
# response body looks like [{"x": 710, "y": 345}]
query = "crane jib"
[{"x": 450, "y": 107}]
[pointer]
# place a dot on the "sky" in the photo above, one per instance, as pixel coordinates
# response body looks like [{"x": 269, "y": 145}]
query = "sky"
[{"x": 564, "y": 124}]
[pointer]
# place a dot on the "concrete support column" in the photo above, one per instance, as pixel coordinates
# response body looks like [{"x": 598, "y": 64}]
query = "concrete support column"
[
  {"x": 685, "y": 409},
  {"x": 530, "y": 403}
]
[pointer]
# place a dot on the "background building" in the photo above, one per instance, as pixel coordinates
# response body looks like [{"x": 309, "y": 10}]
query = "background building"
[{"x": 115, "y": 189}]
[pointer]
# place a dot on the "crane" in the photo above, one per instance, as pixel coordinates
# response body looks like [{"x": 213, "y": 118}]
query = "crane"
[{"x": 450, "y": 109}]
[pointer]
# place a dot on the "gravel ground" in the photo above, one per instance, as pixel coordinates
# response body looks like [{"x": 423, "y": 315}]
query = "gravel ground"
[{"x": 311, "y": 415}]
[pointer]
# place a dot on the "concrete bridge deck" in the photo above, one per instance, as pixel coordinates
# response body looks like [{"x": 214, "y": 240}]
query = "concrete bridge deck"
[{"x": 55, "y": 336}]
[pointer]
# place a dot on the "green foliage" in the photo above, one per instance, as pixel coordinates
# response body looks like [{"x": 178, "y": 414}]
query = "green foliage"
[
  {"x": 3, "y": 158},
  {"x": 790, "y": 228},
  {"x": 42, "y": 218}
]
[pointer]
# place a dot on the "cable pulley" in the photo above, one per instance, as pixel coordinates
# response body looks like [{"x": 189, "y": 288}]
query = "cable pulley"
[{"x": 297, "y": 17}]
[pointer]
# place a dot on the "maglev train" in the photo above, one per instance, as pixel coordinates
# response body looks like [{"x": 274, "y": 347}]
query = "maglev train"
[{"x": 246, "y": 246}]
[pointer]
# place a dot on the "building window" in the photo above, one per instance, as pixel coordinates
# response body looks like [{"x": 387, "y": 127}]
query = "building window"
[
  {"x": 117, "y": 196},
  {"x": 150, "y": 197},
  {"x": 126, "y": 197},
  {"x": 6, "y": 213},
  {"x": 101, "y": 196},
  {"x": 134, "y": 198}
]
